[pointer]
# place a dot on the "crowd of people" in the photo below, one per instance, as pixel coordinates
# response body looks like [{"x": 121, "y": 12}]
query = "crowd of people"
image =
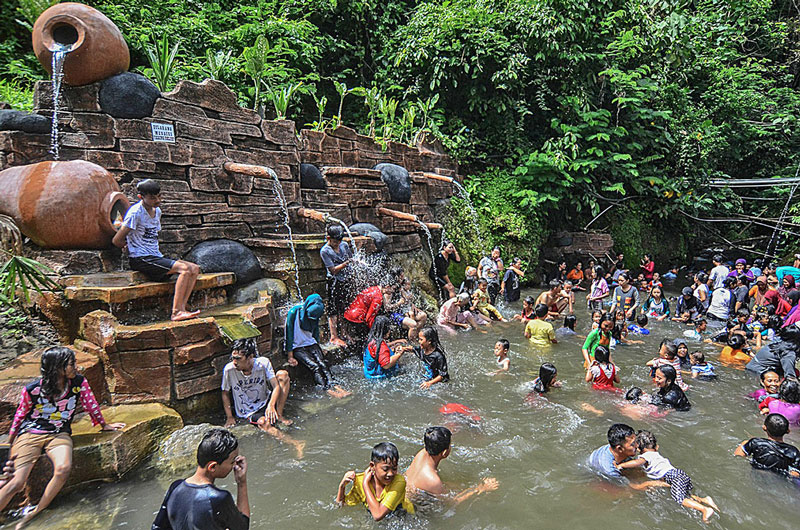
[{"x": 750, "y": 310}]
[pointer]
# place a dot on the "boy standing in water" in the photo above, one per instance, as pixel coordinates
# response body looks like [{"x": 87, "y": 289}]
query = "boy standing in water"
[
  {"x": 196, "y": 502},
  {"x": 139, "y": 232},
  {"x": 336, "y": 256},
  {"x": 423, "y": 473},
  {"x": 538, "y": 330},
  {"x": 380, "y": 487}
]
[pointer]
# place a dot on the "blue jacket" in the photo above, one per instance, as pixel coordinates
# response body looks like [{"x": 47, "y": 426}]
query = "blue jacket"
[{"x": 309, "y": 313}]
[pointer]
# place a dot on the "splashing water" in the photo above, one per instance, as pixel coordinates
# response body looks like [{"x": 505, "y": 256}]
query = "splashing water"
[
  {"x": 430, "y": 244},
  {"x": 276, "y": 184},
  {"x": 59, "y": 54},
  {"x": 462, "y": 193}
]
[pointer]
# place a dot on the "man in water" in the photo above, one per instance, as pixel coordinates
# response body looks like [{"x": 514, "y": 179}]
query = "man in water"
[
  {"x": 422, "y": 476},
  {"x": 621, "y": 447},
  {"x": 196, "y": 503}
]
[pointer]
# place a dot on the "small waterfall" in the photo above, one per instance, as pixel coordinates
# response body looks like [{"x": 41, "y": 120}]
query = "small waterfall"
[
  {"x": 276, "y": 184},
  {"x": 59, "y": 54},
  {"x": 430, "y": 244},
  {"x": 462, "y": 193}
]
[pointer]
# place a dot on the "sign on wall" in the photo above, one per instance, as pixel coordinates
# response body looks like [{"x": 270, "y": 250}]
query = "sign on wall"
[{"x": 163, "y": 132}]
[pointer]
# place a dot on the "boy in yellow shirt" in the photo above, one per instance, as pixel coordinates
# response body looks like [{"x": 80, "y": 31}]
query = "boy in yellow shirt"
[
  {"x": 481, "y": 301},
  {"x": 538, "y": 330},
  {"x": 380, "y": 487}
]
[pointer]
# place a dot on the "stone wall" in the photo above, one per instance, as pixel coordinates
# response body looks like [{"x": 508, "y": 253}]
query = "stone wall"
[{"x": 201, "y": 200}]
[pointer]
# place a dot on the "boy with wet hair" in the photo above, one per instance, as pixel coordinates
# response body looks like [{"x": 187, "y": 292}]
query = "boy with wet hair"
[
  {"x": 139, "y": 232},
  {"x": 422, "y": 476},
  {"x": 336, "y": 256},
  {"x": 501, "y": 348},
  {"x": 538, "y": 330},
  {"x": 196, "y": 502},
  {"x": 380, "y": 487},
  {"x": 772, "y": 453}
]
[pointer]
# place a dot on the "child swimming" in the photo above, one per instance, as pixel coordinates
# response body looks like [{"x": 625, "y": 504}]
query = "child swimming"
[
  {"x": 698, "y": 331},
  {"x": 659, "y": 467},
  {"x": 568, "y": 328},
  {"x": 602, "y": 373},
  {"x": 501, "y": 348},
  {"x": 640, "y": 328},
  {"x": 548, "y": 378},
  {"x": 701, "y": 369}
]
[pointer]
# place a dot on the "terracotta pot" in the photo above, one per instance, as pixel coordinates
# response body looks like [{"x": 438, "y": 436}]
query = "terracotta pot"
[
  {"x": 63, "y": 204},
  {"x": 97, "y": 49}
]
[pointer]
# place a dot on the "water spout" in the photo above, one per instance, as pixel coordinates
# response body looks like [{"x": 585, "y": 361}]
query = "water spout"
[{"x": 59, "y": 55}]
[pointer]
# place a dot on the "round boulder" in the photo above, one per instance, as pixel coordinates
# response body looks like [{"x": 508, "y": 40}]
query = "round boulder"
[
  {"x": 311, "y": 177},
  {"x": 224, "y": 255},
  {"x": 16, "y": 120},
  {"x": 128, "y": 95},
  {"x": 249, "y": 293},
  {"x": 397, "y": 180},
  {"x": 372, "y": 231}
]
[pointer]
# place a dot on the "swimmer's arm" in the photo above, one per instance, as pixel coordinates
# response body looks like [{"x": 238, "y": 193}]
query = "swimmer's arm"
[
  {"x": 428, "y": 384},
  {"x": 230, "y": 421},
  {"x": 616, "y": 377},
  {"x": 740, "y": 450},
  {"x": 651, "y": 363},
  {"x": 586, "y": 356},
  {"x": 488, "y": 484},
  {"x": 376, "y": 509},
  {"x": 589, "y": 376},
  {"x": 630, "y": 464},
  {"x": 649, "y": 484},
  {"x": 348, "y": 478}
]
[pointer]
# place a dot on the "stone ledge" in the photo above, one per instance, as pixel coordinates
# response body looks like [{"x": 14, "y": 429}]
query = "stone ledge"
[{"x": 118, "y": 295}]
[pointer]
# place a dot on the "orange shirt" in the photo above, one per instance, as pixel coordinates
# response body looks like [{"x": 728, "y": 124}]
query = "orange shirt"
[
  {"x": 575, "y": 275},
  {"x": 734, "y": 357}
]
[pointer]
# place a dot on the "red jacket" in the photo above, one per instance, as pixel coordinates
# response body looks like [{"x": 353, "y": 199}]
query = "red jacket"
[{"x": 365, "y": 307}]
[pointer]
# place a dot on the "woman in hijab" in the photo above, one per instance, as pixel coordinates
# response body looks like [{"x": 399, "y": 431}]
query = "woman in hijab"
[
  {"x": 781, "y": 306},
  {"x": 302, "y": 343},
  {"x": 787, "y": 287}
]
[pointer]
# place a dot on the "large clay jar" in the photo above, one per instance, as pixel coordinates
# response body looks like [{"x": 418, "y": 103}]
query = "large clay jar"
[
  {"x": 96, "y": 47},
  {"x": 67, "y": 205}
]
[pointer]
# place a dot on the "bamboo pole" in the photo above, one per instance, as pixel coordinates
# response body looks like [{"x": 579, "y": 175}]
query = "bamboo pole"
[
  {"x": 248, "y": 169},
  {"x": 407, "y": 217}
]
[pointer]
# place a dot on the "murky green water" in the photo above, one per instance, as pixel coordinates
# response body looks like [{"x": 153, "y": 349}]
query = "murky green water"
[{"x": 537, "y": 451}]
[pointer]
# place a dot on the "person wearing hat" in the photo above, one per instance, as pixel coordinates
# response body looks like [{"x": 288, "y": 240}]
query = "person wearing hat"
[
  {"x": 739, "y": 268},
  {"x": 302, "y": 343},
  {"x": 687, "y": 304},
  {"x": 793, "y": 270}
]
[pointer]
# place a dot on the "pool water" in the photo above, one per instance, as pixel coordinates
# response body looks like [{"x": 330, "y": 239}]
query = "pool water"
[{"x": 536, "y": 448}]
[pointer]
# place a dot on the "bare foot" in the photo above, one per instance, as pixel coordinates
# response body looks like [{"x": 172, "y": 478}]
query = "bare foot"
[
  {"x": 707, "y": 513},
  {"x": 184, "y": 315},
  {"x": 338, "y": 392},
  {"x": 285, "y": 421},
  {"x": 489, "y": 484},
  {"x": 589, "y": 408},
  {"x": 299, "y": 446},
  {"x": 710, "y": 502},
  {"x": 338, "y": 342},
  {"x": 27, "y": 519}
]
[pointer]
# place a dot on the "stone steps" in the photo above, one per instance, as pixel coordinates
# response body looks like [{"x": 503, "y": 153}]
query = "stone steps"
[{"x": 92, "y": 289}]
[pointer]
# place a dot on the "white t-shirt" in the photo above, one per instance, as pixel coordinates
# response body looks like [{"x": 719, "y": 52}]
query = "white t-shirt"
[
  {"x": 250, "y": 392},
  {"x": 657, "y": 465},
  {"x": 301, "y": 336},
  {"x": 718, "y": 275},
  {"x": 489, "y": 269},
  {"x": 720, "y": 303},
  {"x": 143, "y": 237}
]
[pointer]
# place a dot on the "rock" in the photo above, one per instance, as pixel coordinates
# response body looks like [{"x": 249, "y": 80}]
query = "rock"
[
  {"x": 108, "y": 456},
  {"x": 128, "y": 95},
  {"x": 397, "y": 180},
  {"x": 16, "y": 120},
  {"x": 224, "y": 255},
  {"x": 311, "y": 177},
  {"x": 250, "y": 293},
  {"x": 372, "y": 231},
  {"x": 177, "y": 453},
  {"x": 25, "y": 369}
]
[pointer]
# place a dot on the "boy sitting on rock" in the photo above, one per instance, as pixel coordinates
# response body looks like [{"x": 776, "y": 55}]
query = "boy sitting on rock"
[{"x": 139, "y": 232}]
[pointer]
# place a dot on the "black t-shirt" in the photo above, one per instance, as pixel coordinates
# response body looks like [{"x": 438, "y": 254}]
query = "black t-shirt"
[
  {"x": 771, "y": 455},
  {"x": 672, "y": 397},
  {"x": 439, "y": 266},
  {"x": 511, "y": 280},
  {"x": 434, "y": 363},
  {"x": 193, "y": 507}
]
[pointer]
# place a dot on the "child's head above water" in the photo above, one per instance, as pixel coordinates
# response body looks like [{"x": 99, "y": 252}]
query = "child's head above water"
[
  {"x": 601, "y": 354},
  {"x": 540, "y": 310},
  {"x": 700, "y": 325},
  {"x": 570, "y": 321},
  {"x": 668, "y": 349},
  {"x": 646, "y": 441},
  {"x": 697, "y": 358},
  {"x": 771, "y": 381},
  {"x": 501, "y": 347},
  {"x": 619, "y": 315},
  {"x": 776, "y": 425},
  {"x": 528, "y": 303},
  {"x": 437, "y": 440},
  {"x": 642, "y": 321},
  {"x": 736, "y": 341},
  {"x": 634, "y": 394},
  {"x": 789, "y": 391},
  {"x": 743, "y": 315},
  {"x": 596, "y": 314},
  {"x": 383, "y": 462},
  {"x": 547, "y": 377}
]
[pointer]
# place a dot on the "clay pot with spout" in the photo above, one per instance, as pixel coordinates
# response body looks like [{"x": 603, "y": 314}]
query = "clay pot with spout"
[
  {"x": 96, "y": 47},
  {"x": 66, "y": 205}
]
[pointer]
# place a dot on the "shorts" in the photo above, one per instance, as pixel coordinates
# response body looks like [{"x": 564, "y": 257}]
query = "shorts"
[
  {"x": 680, "y": 484},
  {"x": 28, "y": 446},
  {"x": 397, "y": 319},
  {"x": 260, "y": 413},
  {"x": 337, "y": 295},
  {"x": 156, "y": 268}
]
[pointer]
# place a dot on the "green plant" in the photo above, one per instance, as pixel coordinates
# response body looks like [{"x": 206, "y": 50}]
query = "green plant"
[
  {"x": 13, "y": 319},
  {"x": 343, "y": 91},
  {"x": 280, "y": 98},
  {"x": 321, "y": 102},
  {"x": 30, "y": 10},
  {"x": 216, "y": 62},
  {"x": 21, "y": 274},
  {"x": 16, "y": 95},
  {"x": 161, "y": 57}
]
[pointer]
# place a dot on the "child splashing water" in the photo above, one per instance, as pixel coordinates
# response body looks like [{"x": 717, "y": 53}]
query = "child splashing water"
[{"x": 659, "y": 467}]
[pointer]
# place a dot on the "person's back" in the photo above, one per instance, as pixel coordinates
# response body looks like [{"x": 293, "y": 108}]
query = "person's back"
[
  {"x": 720, "y": 306},
  {"x": 539, "y": 331}
]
